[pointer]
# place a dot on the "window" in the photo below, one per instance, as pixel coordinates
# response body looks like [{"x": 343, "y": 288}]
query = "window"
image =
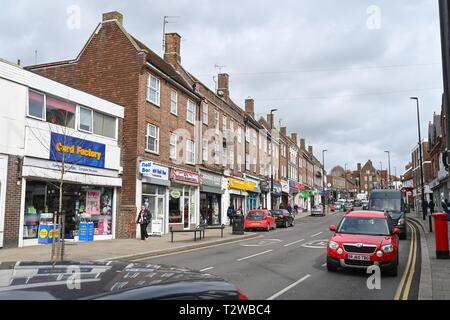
[
  {"x": 174, "y": 102},
  {"x": 60, "y": 112},
  {"x": 205, "y": 149},
  {"x": 231, "y": 160},
  {"x": 153, "y": 90},
  {"x": 36, "y": 105},
  {"x": 247, "y": 162},
  {"x": 239, "y": 134},
  {"x": 205, "y": 113},
  {"x": 217, "y": 152},
  {"x": 173, "y": 146},
  {"x": 255, "y": 137},
  {"x": 152, "y": 138},
  {"x": 247, "y": 134},
  {"x": 216, "y": 120},
  {"x": 86, "y": 119},
  {"x": 190, "y": 151},
  {"x": 224, "y": 125},
  {"x": 232, "y": 131},
  {"x": 190, "y": 111},
  {"x": 104, "y": 125}
]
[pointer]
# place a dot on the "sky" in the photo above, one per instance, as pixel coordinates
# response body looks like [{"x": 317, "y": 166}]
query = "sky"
[{"x": 340, "y": 73}]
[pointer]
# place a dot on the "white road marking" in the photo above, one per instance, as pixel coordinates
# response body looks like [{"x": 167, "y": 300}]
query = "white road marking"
[
  {"x": 206, "y": 269},
  {"x": 276, "y": 295},
  {"x": 292, "y": 243},
  {"x": 324, "y": 265},
  {"x": 315, "y": 235},
  {"x": 262, "y": 243},
  {"x": 254, "y": 255}
]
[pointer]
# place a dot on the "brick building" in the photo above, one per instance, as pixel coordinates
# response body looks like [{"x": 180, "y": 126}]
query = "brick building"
[{"x": 427, "y": 174}]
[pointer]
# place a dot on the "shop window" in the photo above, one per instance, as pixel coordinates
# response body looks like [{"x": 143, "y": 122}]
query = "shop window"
[
  {"x": 36, "y": 105},
  {"x": 60, "y": 112},
  {"x": 86, "y": 119},
  {"x": 104, "y": 125}
]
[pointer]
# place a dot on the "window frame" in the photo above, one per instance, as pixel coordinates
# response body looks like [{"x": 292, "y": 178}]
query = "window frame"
[
  {"x": 44, "y": 106},
  {"x": 147, "y": 136},
  {"x": 205, "y": 108},
  {"x": 172, "y": 101},
  {"x": 188, "y": 152},
  {"x": 205, "y": 146},
  {"x": 79, "y": 119},
  {"x": 158, "y": 90},
  {"x": 173, "y": 135},
  {"x": 188, "y": 104}
]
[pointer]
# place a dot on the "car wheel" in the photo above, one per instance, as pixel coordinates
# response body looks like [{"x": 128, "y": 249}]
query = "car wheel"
[
  {"x": 331, "y": 267},
  {"x": 293, "y": 223},
  {"x": 286, "y": 224},
  {"x": 393, "y": 272}
]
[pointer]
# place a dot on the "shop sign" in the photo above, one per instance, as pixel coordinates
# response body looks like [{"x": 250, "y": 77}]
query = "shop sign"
[
  {"x": 185, "y": 176},
  {"x": 276, "y": 189},
  {"x": 77, "y": 151},
  {"x": 265, "y": 186},
  {"x": 149, "y": 169},
  {"x": 176, "y": 194},
  {"x": 241, "y": 184},
  {"x": 284, "y": 186},
  {"x": 294, "y": 185},
  {"x": 211, "y": 180}
]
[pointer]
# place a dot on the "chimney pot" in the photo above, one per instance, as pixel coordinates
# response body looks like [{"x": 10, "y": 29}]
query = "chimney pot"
[
  {"x": 294, "y": 136},
  {"x": 114, "y": 15},
  {"x": 172, "y": 48},
  {"x": 270, "y": 120}
]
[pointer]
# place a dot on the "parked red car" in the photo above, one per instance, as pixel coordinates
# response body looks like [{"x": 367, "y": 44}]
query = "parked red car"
[
  {"x": 259, "y": 219},
  {"x": 363, "y": 239}
]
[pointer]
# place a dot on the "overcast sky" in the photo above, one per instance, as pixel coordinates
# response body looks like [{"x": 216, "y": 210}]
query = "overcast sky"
[{"x": 340, "y": 72}]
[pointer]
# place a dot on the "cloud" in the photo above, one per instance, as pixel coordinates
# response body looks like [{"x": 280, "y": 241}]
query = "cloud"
[{"x": 317, "y": 61}]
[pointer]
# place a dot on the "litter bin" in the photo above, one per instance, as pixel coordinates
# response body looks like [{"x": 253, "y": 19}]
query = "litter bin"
[{"x": 238, "y": 224}]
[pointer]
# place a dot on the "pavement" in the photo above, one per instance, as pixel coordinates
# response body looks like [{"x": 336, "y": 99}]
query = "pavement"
[
  {"x": 125, "y": 249},
  {"x": 435, "y": 280}
]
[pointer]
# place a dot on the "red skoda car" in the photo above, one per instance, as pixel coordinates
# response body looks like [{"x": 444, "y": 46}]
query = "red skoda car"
[
  {"x": 259, "y": 219},
  {"x": 363, "y": 239}
]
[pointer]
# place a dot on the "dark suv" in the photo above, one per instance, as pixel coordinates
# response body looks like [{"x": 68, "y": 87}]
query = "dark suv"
[
  {"x": 390, "y": 201},
  {"x": 283, "y": 218}
]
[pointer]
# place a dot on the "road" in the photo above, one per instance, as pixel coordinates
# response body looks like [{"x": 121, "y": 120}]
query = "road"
[{"x": 289, "y": 264}]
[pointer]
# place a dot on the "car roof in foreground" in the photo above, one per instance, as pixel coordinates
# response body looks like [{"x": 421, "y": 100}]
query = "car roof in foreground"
[{"x": 366, "y": 214}]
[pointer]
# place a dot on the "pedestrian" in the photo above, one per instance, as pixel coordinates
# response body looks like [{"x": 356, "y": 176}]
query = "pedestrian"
[
  {"x": 289, "y": 208},
  {"x": 143, "y": 220},
  {"x": 282, "y": 206},
  {"x": 203, "y": 216},
  {"x": 431, "y": 206},
  {"x": 239, "y": 211},
  {"x": 260, "y": 207},
  {"x": 425, "y": 208},
  {"x": 230, "y": 214},
  {"x": 296, "y": 208}
]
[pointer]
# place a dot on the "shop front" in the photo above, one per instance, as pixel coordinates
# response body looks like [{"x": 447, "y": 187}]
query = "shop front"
[
  {"x": 184, "y": 199},
  {"x": 211, "y": 195},
  {"x": 293, "y": 194},
  {"x": 304, "y": 195},
  {"x": 155, "y": 189},
  {"x": 3, "y": 173},
  {"x": 285, "y": 193},
  {"x": 238, "y": 193},
  {"x": 253, "y": 193},
  {"x": 276, "y": 195}
]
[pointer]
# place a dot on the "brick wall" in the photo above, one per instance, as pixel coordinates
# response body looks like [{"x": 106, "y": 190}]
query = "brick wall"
[{"x": 12, "y": 204}]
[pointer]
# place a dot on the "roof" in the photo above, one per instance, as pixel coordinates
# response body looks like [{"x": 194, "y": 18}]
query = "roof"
[{"x": 366, "y": 214}]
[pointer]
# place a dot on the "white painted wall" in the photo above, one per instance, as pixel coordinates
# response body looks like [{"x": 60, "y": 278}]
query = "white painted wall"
[{"x": 3, "y": 174}]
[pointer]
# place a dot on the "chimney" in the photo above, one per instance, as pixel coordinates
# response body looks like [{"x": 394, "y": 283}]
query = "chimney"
[
  {"x": 310, "y": 150},
  {"x": 224, "y": 90},
  {"x": 250, "y": 107},
  {"x": 302, "y": 144},
  {"x": 172, "y": 52},
  {"x": 18, "y": 62},
  {"x": 283, "y": 131},
  {"x": 270, "y": 120},
  {"x": 294, "y": 136},
  {"x": 359, "y": 166},
  {"x": 114, "y": 15}
]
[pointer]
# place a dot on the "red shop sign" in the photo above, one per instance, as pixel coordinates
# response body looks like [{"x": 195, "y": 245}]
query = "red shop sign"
[{"x": 185, "y": 176}]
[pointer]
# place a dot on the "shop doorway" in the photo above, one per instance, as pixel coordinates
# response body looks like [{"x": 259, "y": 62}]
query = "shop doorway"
[
  {"x": 252, "y": 201},
  {"x": 182, "y": 206},
  {"x": 210, "y": 208},
  {"x": 153, "y": 199}
]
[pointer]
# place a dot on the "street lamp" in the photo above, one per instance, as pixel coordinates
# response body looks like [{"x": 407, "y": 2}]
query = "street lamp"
[
  {"x": 323, "y": 182},
  {"x": 345, "y": 177},
  {"x": 389, "y": 162},
  {"x": 271, "y": 162},
  {"x": 424, "y": 209}
]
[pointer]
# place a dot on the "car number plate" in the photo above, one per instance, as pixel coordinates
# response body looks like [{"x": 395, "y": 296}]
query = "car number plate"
[
  {"x": 255, "y": 223},
  {"x": 358, "y": 257}
]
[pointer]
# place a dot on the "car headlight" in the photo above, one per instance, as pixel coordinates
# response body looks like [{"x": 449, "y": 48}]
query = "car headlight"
[
  {"x": 333, "y": 245},
  {"x": 401, "y": 222},
  {"x": 388, "y": 248}
]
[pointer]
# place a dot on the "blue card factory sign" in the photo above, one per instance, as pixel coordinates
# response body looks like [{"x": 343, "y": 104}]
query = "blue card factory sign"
[{"x": 77, "y": 151}]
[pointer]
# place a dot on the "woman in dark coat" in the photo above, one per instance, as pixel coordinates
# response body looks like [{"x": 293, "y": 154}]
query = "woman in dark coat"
[{"x": 143, "y": 219}]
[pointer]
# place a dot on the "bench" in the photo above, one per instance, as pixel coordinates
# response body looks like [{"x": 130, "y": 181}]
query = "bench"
[
  {"x": 198, "y": 229},
  {"x": 206, "y": 227}
]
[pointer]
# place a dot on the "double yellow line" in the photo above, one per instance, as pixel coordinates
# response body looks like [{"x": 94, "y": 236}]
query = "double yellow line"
[{"x": 405, "y": 284}]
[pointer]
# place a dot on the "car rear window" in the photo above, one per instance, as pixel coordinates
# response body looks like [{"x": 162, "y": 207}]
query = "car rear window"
[
  {"x": 255, "y": 216},
  {"x": 367, "y": 226}
]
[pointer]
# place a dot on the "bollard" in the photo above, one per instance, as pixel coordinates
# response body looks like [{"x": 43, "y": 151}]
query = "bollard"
[{"x": 441, "y": 235}]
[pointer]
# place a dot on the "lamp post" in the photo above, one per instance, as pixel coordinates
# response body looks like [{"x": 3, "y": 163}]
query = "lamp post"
[
  {"x": 271, "y": 161},
  {"x": 323, "y": 182},
  {"x": 389, "y": 162},
  {"x": 424, "y": 208},
  {"x": 345, "y": 177},
  {"x": 381, "y": 175}
]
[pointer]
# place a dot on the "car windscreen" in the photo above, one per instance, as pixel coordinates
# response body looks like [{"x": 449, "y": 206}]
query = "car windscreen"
[
  {"x": 255, "y": 216},
  {"x": 367, "y": 226},
  {"x": 383, "y": 204}
]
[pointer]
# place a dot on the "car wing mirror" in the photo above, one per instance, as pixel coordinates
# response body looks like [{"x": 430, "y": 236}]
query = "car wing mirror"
[
  {"x": 397, "y": 231},
  {"x": 332, "y": 228}
]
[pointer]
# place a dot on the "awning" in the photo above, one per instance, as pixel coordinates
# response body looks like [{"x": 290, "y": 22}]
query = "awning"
[
  {"x": 304, "y": 194},
  {"x": 209, "y": 189}
]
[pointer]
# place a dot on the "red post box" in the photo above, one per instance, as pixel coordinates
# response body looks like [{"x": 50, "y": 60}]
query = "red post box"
[{"x": 441, "y": 235}]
